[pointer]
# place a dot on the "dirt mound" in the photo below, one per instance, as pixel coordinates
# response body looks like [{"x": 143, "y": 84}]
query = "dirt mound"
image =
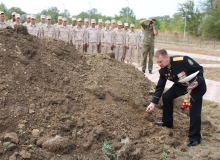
[{"x": 59, "y": 104}]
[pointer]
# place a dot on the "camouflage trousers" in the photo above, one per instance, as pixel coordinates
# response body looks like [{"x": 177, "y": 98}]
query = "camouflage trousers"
[{"x": 148, "y": 49}]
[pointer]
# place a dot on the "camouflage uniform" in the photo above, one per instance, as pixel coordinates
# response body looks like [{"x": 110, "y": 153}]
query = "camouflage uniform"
[{"x": 148, "y": 46}]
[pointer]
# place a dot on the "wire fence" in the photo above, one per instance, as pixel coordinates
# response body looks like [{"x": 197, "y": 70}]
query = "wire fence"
[{"x": 189, "y": 41}]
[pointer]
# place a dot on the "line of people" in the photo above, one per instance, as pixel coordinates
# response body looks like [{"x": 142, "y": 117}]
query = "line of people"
[{"x": 88, "y": 39}]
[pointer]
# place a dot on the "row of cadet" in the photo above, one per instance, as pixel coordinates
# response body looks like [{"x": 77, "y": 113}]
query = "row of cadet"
[{"x": 93, "y": 38}]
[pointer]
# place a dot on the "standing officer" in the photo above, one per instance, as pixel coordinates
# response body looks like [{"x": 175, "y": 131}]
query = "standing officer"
[
  {"x": 79, "y": 36},
  {"x": 48, "y": 29},
  {"x": 42, "y": 20},
  {"x": 12, "y": 20},
  {"x": 125, "y": 30},
  {"x": 148, "y": 45},
  {"x": 57, "y": 25},
  {"x": 140, "y": 46},
  {"x": 28, "y": 20},
  {"x": 106, "y": 38},
  {"x": 118, "y": 41},
  {"x": 99, "y": 27},
  {"x": 175, "y": 68},
  {"x": 33, "y": 28},
  {"x": 131, "y": 44},
  {"x": 64, "y": 31},
  {"x": 72, "y": 26},
  {"x": 93, "y": 38},
  {"x": 86, "y": 26},
  {"x": 3, "y": 24},
  {"x": 17, "y": 20}
]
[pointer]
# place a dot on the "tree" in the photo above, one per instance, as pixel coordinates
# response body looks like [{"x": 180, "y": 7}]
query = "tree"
[
  {"x": 52, "y": 11},
  {"x": 123, "y": 15}
]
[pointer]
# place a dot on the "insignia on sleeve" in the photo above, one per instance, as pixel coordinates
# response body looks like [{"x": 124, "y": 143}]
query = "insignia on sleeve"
[
  {"x": 190, "y": 61},
  {"x": 177, "y": 59}
]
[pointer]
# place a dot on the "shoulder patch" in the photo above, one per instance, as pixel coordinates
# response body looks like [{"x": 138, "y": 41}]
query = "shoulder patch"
[
  {"x": 190, "y": 61},
  {"x": 177, "y": 59},
  {"x": 159, "y": 68}
]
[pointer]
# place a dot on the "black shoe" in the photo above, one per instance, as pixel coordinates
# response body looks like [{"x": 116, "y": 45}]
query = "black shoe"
[
  {"x": 143, "y": 71},
  {"x": 163, "y": 124},
  {"x": 193, "y": 143},
  {"x": 150, "y": 71}
]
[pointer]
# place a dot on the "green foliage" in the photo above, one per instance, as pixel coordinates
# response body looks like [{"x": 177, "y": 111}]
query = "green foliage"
[
  {"x": 108, "y": 150},
  {"x": 163, "y": 155}
]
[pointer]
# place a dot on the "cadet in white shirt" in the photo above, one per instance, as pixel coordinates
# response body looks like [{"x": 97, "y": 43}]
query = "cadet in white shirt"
[
  {"x": 99, "y": 27},
  {"x": 17, "y": 20},
  {"x": 3, "y": 24},
  {"x": 118, "y": 41},
  {"x": 57, "y": 25},
  {"x": 33, "y": 28},
  {"x": 131, "y": 43},
  {"x": 106, "y": 38},
  {"x": 28, "y": 20},
  {"x": 12, "y": 20},
  {"x": 48, "y": 29},
  {"x": 93, "y": 37},
  {"x": 42, "y": 20},
  {"x": 64, "y": 31},
  {"x": 125, "y": 30},
  {"x": 86, "y": 26},
  {"x": 140, "y": 46},
  {"x": 72, "y": 26},
  {"x": 79, "y": 36}
]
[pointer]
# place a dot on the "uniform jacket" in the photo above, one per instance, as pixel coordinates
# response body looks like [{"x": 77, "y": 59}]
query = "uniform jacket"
[
  {"x": 63, "y": 33},
  {"x": 34, "y": 30},
  {"x": 106, "y": 36},
  {"x": 148, "y": 35},
  {"x": 79, "y": 34},
  {"x": 131, "y": 39},
  {"x": 3, "y": 24},
  {"x": 93, "y": 35},
  {"x": 48, "y": 30},
  {"x": 118, "y": 36},
  {"x": 180, "y": 67}
]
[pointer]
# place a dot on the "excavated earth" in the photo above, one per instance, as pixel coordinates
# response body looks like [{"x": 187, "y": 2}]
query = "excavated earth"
[{"x": 57, "y": 104}]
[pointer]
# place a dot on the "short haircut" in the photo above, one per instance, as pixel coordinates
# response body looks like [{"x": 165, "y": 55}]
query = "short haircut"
[{"x": 161, "y": 52}]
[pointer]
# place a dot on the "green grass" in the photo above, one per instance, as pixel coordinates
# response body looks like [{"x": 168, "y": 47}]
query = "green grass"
[{"x": 108, "y": 149}]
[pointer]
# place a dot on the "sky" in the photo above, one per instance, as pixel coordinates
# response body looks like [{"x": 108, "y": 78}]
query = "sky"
[{"x": 141, "y": 8}]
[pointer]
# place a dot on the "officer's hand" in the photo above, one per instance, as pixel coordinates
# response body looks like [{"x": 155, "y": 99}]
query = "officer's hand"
[
  {"x": 195, "y": 84},
  {"x": 150, "y": 108}
]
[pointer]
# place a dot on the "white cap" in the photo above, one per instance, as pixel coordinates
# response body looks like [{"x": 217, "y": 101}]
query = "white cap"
[
  {"x": 42, "y": 16},
  {"x": 79, "y": 19},
  {"x": 1, "y": 12},
  {"x": 33, "y": 17},
  {"x": 119, "y": 23},
  {"x": 13, "y": 13},
  {"x": 107, "y": 22},
  {"x": 28, "y": 16},
  {"x": 100, "y": 20},
  {"x": 93, "y": 21},
  {"x": 132, "y": 25},
  {"x": 86, "y": 20},
  {"x": 64, "y": 19},
  {"x": 17, "y": 16},
  {"x": 49, "y": 17},
  {"x": 126, "y": 24},
  {"x": 60, "y": 17},
  {"x": 74, "y": 19},
  {"x": 113, "y": 21}
]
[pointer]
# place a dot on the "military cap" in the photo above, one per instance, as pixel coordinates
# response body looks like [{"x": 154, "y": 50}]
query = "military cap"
[
  {"x": 48, "y": 17},
  {"x": 93, "y": 21},
  {"x": 113, "y": 21},
  {"x": 100, "y": 20},
  {"x": 28, "y": 16},
  {"x": 126, "y": 24},
  {"x": 74, "y": 19},
  {"x": 119, "y": 23},
  {"x": 132, "y": 25},
  {"x": 107, "y": 22},
  {"x": 17, "y": 16},
  {"x": 13, "y": 13},
  {"x": 42, "y": 16},
  {"x": 64, "y": 19},
  {"x": 86, "y": 20},
  {"x": 79, "y": 19},
  {"x": 33, "y": 17},
  {"x": 1, "y": 12},
  {"x": 60, "y": 17}
]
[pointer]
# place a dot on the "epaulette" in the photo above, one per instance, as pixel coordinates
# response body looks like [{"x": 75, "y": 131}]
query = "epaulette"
[
  {"x": 159, "y": 68},
  {"x": 177, "y": 59}
]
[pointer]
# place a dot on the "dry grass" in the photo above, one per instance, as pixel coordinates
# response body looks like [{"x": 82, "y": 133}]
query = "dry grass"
[{"x": 212, "y": 73}]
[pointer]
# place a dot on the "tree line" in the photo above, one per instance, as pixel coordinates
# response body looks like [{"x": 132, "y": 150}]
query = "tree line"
[{"x": 201, "y": 20}]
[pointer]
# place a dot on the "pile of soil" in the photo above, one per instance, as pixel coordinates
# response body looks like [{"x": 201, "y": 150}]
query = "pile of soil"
[{"x": 58, "y": 104}]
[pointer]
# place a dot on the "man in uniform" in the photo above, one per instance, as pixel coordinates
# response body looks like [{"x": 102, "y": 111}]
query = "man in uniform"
[
  {"x": 3, "y": 24},
  {"x": 33, "y": 28},
  {"x": 48, "y": 29},
  {"x": 99, "y": 27},
  {"x": 72, "y": 26},
  {"x": 175, "y": 68},
  {"x": 28, "y": 20},
  {"x": 140, "y": 46},
  {"x": 131, "y": 44},
  {"x": 12, "y": 20},
  {"x": 112, "y": 27},
  {"x": 79, "y": 36},
  {"x": 125, "y": 30},
  {"x": 93, "y": 38},
  {"x": 64, "y": 31},
  {"x": 86, "y": 26},
  {"x": 148, "y": 44},
  {"x": 42, "y": 20},
  {"x": 57, "y": 25},
  {"x": 118, "y": 41},
  {"x": 106, "y": 38},
  {"x": 17, "y": 20}
]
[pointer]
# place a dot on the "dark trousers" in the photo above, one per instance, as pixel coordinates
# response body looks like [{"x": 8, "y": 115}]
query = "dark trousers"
[{"x": 195, "y": 113}]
